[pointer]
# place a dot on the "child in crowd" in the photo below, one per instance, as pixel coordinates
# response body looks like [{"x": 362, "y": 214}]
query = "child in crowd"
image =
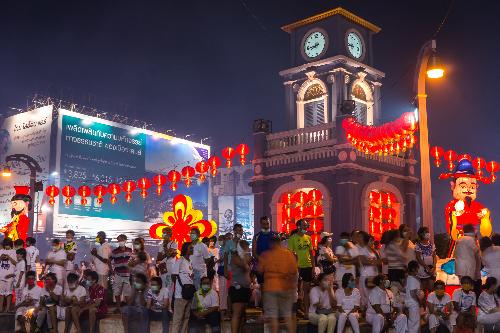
[
  {"x": 255, "y": 287},
  {"x": 439, "y": 307},
  {"x": 414, "y": 297},
  {"x": 28, "y": 302},
  {"x": 464, "y": 300},
  {"x": 73, "y": 299},
  {"x": 18, "y": 244},
  {"x": 49, "y": 299},
  {"x": 7, "y": 270},
  {"x": 158, "y": 303},
  {"x": 136, "y": 308},
  {"x": 32, "y": 254},
  {"x": 20, "y": 273},
  {"x": 70, "y": 248}
]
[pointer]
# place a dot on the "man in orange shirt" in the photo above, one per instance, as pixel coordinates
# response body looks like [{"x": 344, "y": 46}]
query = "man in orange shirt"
[{"x": 279, "y": 267}]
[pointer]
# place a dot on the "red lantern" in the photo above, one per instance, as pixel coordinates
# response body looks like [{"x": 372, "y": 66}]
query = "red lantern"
[
  {"x": 300, "y": 197},
  {"x": 84, "y": 192},
  {"x": 243, "y": 150},
  {"x": 129, "y": 187},
  {"x": 492, "y": 167},
  {"x": 374, "y": 197},
  {"x": 188, "y": 172},
  {"x": 113, "y": 189},
  {"x": 479, "y": 163},
  {"x": 99, "y": 192},
  {"x": 214, "y": 162},
  {"x": 202, "y": 168},
  {"x": 315, "y": 239},
  {"x": 315, "y": 195},
  {"x": 437, "y": 153},
  {"x": 173, "y": 176},
  {"x": 228, "y": 153},
  {"x": 68, "y": 192},
  {"x": 144, "y": 184},
  {"x": 159, "y": 181},
  {"x": 52, "y": 191},
  {"x": 450, "y": 156},
  {"x": 316, "y": 225}
]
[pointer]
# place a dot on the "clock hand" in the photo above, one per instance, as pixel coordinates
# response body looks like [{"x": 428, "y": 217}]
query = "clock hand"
[{"x": 350, "y": 45}]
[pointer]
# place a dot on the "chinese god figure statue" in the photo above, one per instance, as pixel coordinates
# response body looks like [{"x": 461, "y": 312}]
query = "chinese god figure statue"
[{"x": 21, "y": 203}]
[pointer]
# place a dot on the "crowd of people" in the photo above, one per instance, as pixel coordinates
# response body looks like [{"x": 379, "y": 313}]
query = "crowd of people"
[{"x": 389, "y": 283}]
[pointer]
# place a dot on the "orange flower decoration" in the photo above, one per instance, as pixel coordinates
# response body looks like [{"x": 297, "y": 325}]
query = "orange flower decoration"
[{"x": 182, "y": 219}]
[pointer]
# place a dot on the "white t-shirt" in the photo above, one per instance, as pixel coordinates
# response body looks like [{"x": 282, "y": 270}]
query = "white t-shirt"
[
  {"x": 20, "y": 267},
  {"x": 343, "y": 268},
  {"x": 104, "y": 251},
  {"x": 184, "y": 270},
  {"x": 33, "y": 293},
  {"x": 348, "y": 302},
  {"x": 57, "y": 256},
  {"x": 486, "y": 303},
  {"x": 200, "y": 253},
  {"x": 464, "y": 300},
  {"x": 491, "y": 260},
  {"x": 31, "y": 254},
  {"x": 439, "y": 304},
  {"x": 210, "y": 300},
  {"x": 384, "y": 298},
  {"x": 412, "y": 283},
  {"x": 169, "y": 262},
  {"x": 6, "y": 266},
  {"x": 78, "y": 292},
  {"x": 368, "y": 270},
  {"x": 159, "y": 300},
  {"x": 58, "y": 290},
  {"x": 319, "y": 296}
]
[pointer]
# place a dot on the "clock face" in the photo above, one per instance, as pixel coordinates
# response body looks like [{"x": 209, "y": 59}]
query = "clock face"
[
  {"x": 354, "y": 44},
  {"x": 315, "y": 44}
]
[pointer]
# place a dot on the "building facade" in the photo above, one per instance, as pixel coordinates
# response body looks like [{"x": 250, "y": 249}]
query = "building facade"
[{"x": 332, "y": 77}]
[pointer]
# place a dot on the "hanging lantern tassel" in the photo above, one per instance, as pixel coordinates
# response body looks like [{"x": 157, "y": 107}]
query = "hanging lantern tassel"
[
  {"x": 492, "y": 167},
  {"x": 243, "y": 150},
  {"x": 228, "y": 153},
  {"x": 214, "y": 162},
  {"x": 52, "y": 191},
  {"x": 479, "y": 163},
  {"x": 188, "y": 172},
  {"x": 450, "y": 156},
  {"x": 144, "y": 184},
  {"x": 84, "y": 193},
  {"x": 114, "y": 190},
  {"x": 129, "y": 187},
  {"x": 437, "y": 153},
  {"x": 202, "y": 168},
  {"x": 159, "y": 180},
  {"x": 99, "y": 192},
  {"x": 173, "y": 176},
  {"x": 68, "y": 192}
]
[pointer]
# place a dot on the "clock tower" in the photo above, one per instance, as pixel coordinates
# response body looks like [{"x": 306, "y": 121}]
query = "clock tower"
[{"x": 331, "y": 74}]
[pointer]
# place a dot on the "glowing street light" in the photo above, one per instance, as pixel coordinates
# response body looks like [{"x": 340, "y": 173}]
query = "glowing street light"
[
  {"x": 435, "y": 70},
  {"x": 6, "y": 172}
]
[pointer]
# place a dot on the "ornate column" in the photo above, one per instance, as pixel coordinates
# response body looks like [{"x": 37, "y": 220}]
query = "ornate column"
[
  {"x": 291, "y": 114},
  {"x": 376, "y": 103}
]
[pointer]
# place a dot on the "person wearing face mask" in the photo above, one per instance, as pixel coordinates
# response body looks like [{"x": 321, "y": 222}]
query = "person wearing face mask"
[
  {"x": 213, "y": 249},
  {"x": 136, "y": 308},
  {"x": 7, "y": 270},
  {"x": 489, "y": 306},
  {"x": 101, "y": 253},
  {"x": 464, "y": 299},
  {"x": 407, "y": 245},
  {"x": 166, "y": 257},
  {"x": 199, "y": 258},
  {"x": 490, "y": 257},
  {"x": 382, "y": 312},
  {"x": 49, "y": 299},
  {"x": 369, "y": 260},
  {"x": 56, "y": 261},
  {"x": 347, "y": 256},
  {"x": 120, "y": 258},
  {"x": 395, "y": 257},
  {"x": 140, "y": 261},
  {"x": 230, "y": 247},
  {"x": 183, "y": 276},
  {"x": 20, "y": 273},
  {"x": 95, "y": 306},
  {"x": 348, "y": 302},
  {"x": 414, "y": 297},
  {"x": 467, "y": 256},
  {"x": 158, "y": 303},
  {"x": 71, "y": 249},
  {"x": 439, "y": 307},
  {"x": 28, "y": 302},
  {"x": 323, "y": 304},
  {"x": 239, "y": 292},
  {"x": 326, "y": 258},
  {"x": 425, "y": 253},
  {"x": 206, "y": 308},
  {"x": 72, "y": 300}
]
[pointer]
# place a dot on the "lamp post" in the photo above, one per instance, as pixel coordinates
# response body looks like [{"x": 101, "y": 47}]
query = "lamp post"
[
  {"x": 427, "y": 66},
  {"x": 34, "y": 167}
]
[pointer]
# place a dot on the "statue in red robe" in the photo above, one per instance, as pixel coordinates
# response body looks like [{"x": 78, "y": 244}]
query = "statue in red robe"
[{"x": 21, "y": 203}]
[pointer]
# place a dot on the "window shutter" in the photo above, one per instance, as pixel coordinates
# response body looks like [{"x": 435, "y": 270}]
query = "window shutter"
[
  {"x": 360, "y": 112},
  {"x": 314, "y": 113}
]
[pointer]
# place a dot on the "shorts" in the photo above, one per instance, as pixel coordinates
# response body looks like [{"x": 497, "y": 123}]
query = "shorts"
[
  {"x": 241, "y": 295},
  {"x": 306, "y": 274},
  {"x": 121, "y": 286},
  {"x": 278, "y": 304}
]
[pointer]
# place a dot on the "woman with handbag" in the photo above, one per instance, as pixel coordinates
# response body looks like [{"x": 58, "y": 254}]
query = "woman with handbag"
[
  {"x": 183, "y": 290},
  {"x": 322, "y": 304},
  {"x": 326, "y": 258}
]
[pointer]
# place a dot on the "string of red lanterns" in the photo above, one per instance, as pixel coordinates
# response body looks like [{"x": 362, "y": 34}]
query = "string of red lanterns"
[
  {"x": 391, "y": 138},
  {"x": 173, "y": 176},
  {"x": 381, "y": 214},
  {"x": 479, "y": 163}
]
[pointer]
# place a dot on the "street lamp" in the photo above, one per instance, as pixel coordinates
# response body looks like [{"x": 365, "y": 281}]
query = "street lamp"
[
  {"x": 6, "y": 172},
  {"x": 428, "y": 66}
]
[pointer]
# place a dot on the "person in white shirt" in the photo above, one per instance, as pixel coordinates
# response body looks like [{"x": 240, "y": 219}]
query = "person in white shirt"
[
  {"x": 489, "y": 307},
  {"x": 136, "y": 308},
  {"x": 28, "y": 302},
  {"x": 32, "y": 254},
  {"x": 101, "y": 253},
  {"x": 347, "y": 256},
  {"x": 183, "y": 272},
  {"x": 56, "y": 261},
  {"x": 20, "y": 274},
  {"x": 381, "y": 312},
  {"x": 206, "y": 307},
  {"x": 158, "y": 303},
  {"x": 369, "y": 260},
  {"x": 49, "y": 298},
  {"x": 166, "y": 257},
  {"x": 7, "y": 270},
  {"x": 464, "y": 299},
  {"x": 348, "y": 303},
  {"x": 72, "y": 300},
  {"x": 414, "y": 297},
  {"x": 440, "y": 307},
  {"x": 322, "y": 304},
  {"x": 490, "y": 256},
  {"x": 407, "y": 245},
  {"x": 467, "y": 256},
  {"x": 199, "y": 258}
]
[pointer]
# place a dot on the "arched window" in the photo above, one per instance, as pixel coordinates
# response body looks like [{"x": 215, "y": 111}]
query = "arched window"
[
  {"x": 312, "y": 104},
  {"x": 361, "y": 102}
]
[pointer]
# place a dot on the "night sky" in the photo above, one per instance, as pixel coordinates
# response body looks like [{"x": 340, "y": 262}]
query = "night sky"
[{"x": 210, "y": 67}]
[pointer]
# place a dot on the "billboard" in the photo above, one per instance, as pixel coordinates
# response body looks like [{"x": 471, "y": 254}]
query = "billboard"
[
  {"x": 94, "y": 151},
  {"x": 236, "y": 209},
  {"x": 24, "y": 133}
]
